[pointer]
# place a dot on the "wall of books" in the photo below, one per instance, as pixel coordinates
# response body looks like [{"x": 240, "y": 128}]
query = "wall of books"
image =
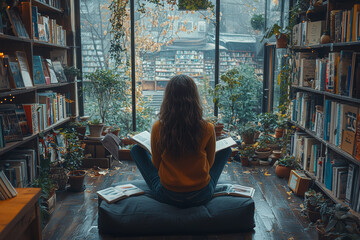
[
  {"x": 36, "y": 93},
  {"x": 326, "y": 99}
]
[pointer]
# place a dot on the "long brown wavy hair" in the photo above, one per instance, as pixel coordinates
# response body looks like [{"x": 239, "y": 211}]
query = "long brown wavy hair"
[{"x": 181, "y": 117}]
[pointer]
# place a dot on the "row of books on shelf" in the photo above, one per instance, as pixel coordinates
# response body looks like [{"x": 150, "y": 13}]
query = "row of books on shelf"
[
  {"x": 332, "y": 171},
  {"x": 339, "y": 73},
  {"x": 46, "y": 29},
  {"x": 7, "y": 191},
  {"x": 334, "y": 122},
  {"x": 20, "y": 166},
  {"x": 52, "y": 3},
  {"x": 18, "y": 121},
  {"x": 15, "y": 71},
  {"x": 344, "y": 24}
]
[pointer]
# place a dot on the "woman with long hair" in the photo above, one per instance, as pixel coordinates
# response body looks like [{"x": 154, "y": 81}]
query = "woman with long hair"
[{"x": 183, "y": 169}]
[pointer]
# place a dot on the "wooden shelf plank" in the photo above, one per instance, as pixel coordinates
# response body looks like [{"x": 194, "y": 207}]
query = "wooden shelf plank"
[
  {"x": 10, "y": 146},
  {"x": 329, "y": 145},
  {"x": 13, "y": 92},
  {"x": 42, "y": 44},
  {"x": 332, "y": 95},
  {"x": 9, "y": 38},
  {"x": 328, "y": 45},
  {"x": 43, "y": 7},
  {"x": 329, "y": 193}
]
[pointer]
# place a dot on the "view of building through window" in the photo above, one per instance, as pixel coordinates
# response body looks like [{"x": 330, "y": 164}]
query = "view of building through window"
[{"x": 170, "y": 42}]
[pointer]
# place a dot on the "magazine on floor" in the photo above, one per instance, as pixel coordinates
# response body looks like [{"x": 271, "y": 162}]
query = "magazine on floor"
[
  {"x": 113, "y": 194},
  {"x": 143, "y": 139},
  {"x": 234, "y": 190}
]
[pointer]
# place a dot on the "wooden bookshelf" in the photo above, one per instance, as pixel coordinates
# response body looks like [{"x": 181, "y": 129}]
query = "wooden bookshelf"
[
  {"x": 328, "y": 46},
  {"x": 44, "y": 7}
]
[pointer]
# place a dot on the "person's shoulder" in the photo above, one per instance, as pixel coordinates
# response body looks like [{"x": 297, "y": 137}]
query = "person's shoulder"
[
  {"x": 208, "y": 126},
  {"x": 156, "y": 125}
]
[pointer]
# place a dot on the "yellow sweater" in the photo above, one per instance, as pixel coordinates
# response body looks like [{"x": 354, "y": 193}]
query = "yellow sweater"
[{"x": 189, "y": 172}]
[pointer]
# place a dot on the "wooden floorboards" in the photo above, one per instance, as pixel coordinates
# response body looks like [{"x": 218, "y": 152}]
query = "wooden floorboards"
[{"x": 277, "y": 213}]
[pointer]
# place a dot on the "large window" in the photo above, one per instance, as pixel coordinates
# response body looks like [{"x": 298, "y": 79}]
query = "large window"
[{"x": 168, "y": 42}]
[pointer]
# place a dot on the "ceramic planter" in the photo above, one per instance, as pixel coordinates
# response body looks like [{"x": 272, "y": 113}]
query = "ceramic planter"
[
  {"x": 81, "y": 132},
  {"x": 281, "y": 41},
  {"x": 76, "y": 180},
  {"x": 95, "y": 130},
  {"x": 282, "y": 171},
  {"x": 260, "y": 154}
]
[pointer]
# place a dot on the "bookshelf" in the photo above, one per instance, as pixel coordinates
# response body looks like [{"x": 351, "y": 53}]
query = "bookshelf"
[
  {"x": 59, "y": 47},
  {"x": 327, "y": 101}
]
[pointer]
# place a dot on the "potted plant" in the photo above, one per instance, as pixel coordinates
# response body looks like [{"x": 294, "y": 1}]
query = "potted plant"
[
  {"x": 313, "y": 203},
  {"x": 282, "y": 35},
  {"x": 267, "y": 121},
  {"x": 246, "y": 152},
  {"x": 281, "y": 125},
  {"x": 71, "y": 72},
  {"x": 248, "y": 132},
  {"x": 95, "y": 127},
  {"x": 257, "y": 22},
  {"x": 284, "y": 166},
  {"x": 262, "y": 149},
  {"x": 80, "y": 127},
  {"x": 73, "y": 154}
]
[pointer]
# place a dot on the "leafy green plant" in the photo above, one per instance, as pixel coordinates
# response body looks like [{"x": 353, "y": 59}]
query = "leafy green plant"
[
  {"x": 257, "y": 22},
  {"x": 105, "y": 86},
  {"x": 71, "y": 72},
  {"x": 247, "y": 151},
  {"x": 277, "y": 31},
  {"x": 95, "y": 121},
  {"x": 268, "y": 121},
  {"x": 249, "y": 129},
  {"x": 73, "y": 151},
  {"x": 288, "y": 161}
]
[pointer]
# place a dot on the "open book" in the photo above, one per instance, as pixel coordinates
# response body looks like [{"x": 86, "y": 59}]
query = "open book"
[
  {"x": 234, "y": 190},
  {"x": 113, "y": 194},
  {"x": 143, "y": 139}
]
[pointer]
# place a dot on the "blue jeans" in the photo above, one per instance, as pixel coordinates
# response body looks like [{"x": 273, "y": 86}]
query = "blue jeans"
[{"x": 180, "y": 199}]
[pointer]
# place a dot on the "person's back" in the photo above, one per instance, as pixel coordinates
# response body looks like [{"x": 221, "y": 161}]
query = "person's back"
[{"x": 183, "y": 169}]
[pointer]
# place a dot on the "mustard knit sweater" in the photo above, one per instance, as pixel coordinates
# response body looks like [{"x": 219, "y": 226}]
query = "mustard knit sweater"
[{"x": 189, "y": 172}]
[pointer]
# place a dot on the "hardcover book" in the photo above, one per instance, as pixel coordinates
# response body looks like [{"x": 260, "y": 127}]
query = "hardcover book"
[
  {"x": 17, "y": 25},
  {"x": 234, "y": 190},
  {"x": 59, "y": 71},
  {"x": 349, "y": 129},
  {"x": 24, "y": 68},
  {"x": 38, "y": 72},
  {"x": 12, "y": 131},
  {"x": 113, "y": 194},
  {"x": 15, "y": 75},
  {"x": 4, "y": 75},
  {"x": 50, "y": 66}
]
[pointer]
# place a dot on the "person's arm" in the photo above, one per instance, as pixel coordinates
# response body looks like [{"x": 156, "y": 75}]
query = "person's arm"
[
  {"x": 210, "y": 147},
  {"x": 155, "y": 151}
]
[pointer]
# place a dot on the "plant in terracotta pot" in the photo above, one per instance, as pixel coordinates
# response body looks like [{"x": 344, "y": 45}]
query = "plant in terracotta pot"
[
  {"x": 95, "y": 128},
  {"x": 248, "y": 132},
  {"x": 246, "y": 152},
  {"x": 267, "y": 122},
  {"x": 285, "y": 165},
  {"x": 73, "y": 154},
  {"x": 281, "y": 125},
  {"x": 282, "y": 35}
]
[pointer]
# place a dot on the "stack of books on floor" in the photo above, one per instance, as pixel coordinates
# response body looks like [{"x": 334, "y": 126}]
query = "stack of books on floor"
[{"x": 6, "y": 189}]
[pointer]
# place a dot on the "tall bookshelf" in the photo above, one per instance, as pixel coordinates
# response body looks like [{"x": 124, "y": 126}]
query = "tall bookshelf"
[
  {"x": 63, "y": 13},
  {"x": 320, "y": 96}
]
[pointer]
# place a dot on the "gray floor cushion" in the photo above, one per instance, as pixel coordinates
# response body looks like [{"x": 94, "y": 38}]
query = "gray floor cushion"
[{"x": 143, "y": 215}]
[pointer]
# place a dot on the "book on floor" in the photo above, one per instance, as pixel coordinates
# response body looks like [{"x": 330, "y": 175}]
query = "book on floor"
[
  {"x": 113, "y": 194},
  {"x": 234, "y": 190},
  {"x": 143, "y": 139}
]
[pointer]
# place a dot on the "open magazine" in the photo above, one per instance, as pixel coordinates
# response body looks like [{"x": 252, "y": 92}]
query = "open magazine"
[
  {"x": 143, "y": 139},
  {"x": 234, "y": 190},
  {"x": 113, "y": 194}
]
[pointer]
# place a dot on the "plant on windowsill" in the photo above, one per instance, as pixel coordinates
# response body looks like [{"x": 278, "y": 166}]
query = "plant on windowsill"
[
  {"x": 95, "y": 128},
  {"x": 282, "y": 35},
  {"x": 71, "y": 73},
  {"x": 285, "y": 165},
  {"x": 79, "y": 126}
]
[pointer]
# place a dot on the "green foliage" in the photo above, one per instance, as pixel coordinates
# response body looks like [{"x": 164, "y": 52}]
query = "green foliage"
[
  {"x": 238, "y": 95},
  {"x": 105, "y": 86},
  {"x": 73, "y": 151},
  {"x": 94, "y": 121},
  {"x": 195, "y": 4},
  {"x": 287, "y": 161},
  {"x": 268, "y": 121},
  {"x": 249, "y": 129},
  {"x": 257, "y": 22},
  {"x": 247, "y": 151},
  {"x": 277, "y": 31},
  {"x": 71, "y": 72}
]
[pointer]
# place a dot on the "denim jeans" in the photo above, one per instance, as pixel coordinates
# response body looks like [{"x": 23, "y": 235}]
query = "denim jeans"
[{"x": 180, "y": 199}]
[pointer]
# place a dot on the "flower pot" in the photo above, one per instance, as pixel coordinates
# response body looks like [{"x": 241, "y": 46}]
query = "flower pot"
[
  {"x": 244, "y": 161},
  {"x": 218, "y": 129},
  {"x": 76, "y": 180},
  {"x": 273, "y": 146},
  {"x": 81, "y": 132},
  {"x": 276, "y": 154},
  {"x": 282, "y": 171},
  {"x": 95, "y": 130},
  {"x": 115, "y": 132},
  {"x": 261, "y": 154},
  {"x": 313, "y": 215},
  {"x": 281, "y": 41},
  {"x": 279, "y": 132}
]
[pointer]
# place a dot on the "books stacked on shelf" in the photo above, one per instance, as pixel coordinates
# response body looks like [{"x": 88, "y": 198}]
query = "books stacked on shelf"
[
  {"x": 52, "y": 108},
  {"x": 338, "y": 73},
  {"x": 11, "y": 130},
  {"x": 7, "y": 191},
  {"x": 20, "y": 166},
  {"x": 46, "y": 29},
  {"x": 307, "y": 33},
  {"x": 344, "y": 25}
]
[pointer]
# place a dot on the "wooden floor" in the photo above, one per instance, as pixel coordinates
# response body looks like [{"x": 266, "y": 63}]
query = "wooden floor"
[{"x": 277, "y": 213}]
